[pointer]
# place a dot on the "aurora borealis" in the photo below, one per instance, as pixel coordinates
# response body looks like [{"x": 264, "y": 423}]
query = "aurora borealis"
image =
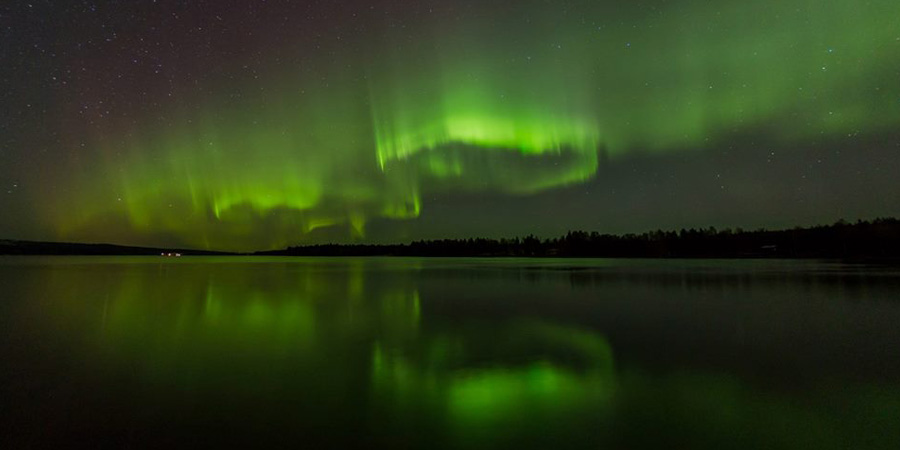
[{"x": 256, "y": 125}]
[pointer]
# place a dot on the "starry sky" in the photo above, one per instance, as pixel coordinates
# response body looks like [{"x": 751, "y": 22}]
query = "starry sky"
[{"x": 244, "y": 125}]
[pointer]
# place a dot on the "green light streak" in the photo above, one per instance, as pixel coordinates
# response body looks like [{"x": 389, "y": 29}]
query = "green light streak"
[{"x": 512, "y": 102}]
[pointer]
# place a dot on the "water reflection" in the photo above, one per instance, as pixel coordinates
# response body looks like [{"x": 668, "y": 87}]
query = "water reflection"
[
  {"x": 448, "y": 353},
  {"x": 500, "y": 381}
]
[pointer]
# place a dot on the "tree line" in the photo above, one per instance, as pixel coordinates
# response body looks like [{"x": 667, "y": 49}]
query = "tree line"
[{"x": 876, "y": 239}]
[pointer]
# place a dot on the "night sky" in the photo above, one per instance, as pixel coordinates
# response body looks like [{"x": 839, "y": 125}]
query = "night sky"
[{"x": 260, "y": 124}]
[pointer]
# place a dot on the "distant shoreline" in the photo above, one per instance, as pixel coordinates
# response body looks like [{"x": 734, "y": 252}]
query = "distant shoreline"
[
  {"x": 864, "y": 241},
  {"x": 37, "y": 248}
]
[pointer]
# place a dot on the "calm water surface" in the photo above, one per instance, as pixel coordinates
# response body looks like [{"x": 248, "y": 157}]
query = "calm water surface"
[{"x": 150, "y": 352}]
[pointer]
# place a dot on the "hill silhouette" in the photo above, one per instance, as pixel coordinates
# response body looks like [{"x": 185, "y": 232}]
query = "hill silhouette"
[{"x": 13, "y": 247}]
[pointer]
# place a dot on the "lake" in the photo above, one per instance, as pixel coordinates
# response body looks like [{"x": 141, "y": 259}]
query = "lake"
[{"x": 153, "y": 352}]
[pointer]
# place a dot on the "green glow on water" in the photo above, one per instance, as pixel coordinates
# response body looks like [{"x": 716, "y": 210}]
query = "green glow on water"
[{"x": 404, "y": 351}]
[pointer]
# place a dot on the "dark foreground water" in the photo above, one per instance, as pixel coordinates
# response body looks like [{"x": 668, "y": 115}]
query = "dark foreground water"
[{"x": 434, "y": 353}]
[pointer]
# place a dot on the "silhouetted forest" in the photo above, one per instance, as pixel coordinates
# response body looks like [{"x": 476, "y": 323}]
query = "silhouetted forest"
[{"x": 878, "y": 239}]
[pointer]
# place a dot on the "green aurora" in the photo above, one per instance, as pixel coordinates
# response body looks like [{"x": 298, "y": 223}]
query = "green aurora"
[{"x": 511, "y": 101}]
